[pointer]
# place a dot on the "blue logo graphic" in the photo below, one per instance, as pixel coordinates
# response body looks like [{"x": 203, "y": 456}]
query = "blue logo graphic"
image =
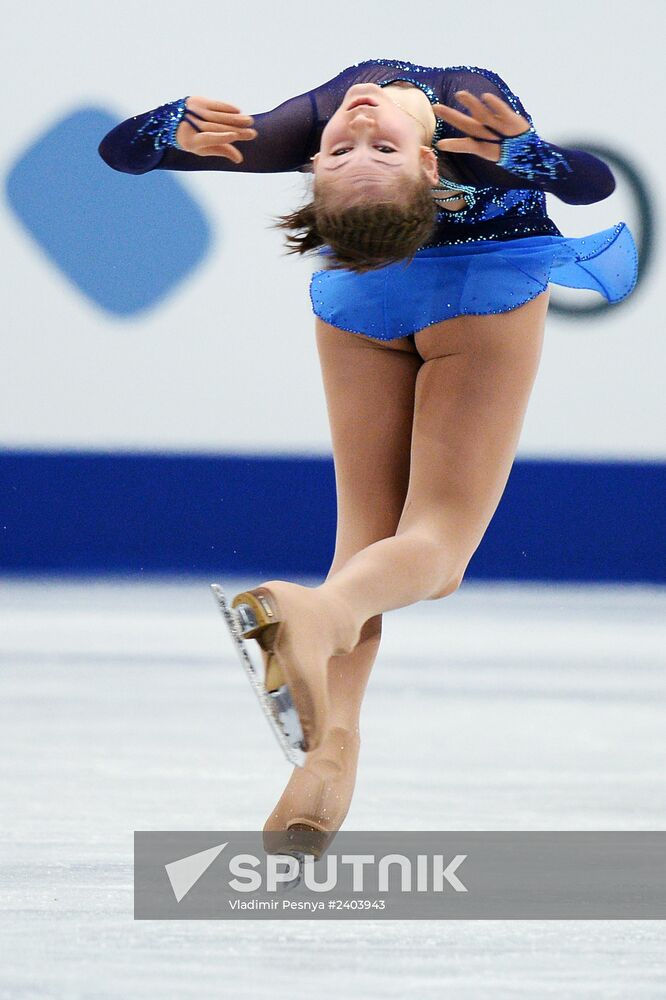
[{"x": 124, "y": 241}]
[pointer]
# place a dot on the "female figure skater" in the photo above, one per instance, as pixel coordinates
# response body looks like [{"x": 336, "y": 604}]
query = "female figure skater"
[{"x": 429, "y": 214}]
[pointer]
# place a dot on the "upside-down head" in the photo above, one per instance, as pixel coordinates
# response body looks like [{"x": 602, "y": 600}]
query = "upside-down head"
[{"x": 372, "y": 199}]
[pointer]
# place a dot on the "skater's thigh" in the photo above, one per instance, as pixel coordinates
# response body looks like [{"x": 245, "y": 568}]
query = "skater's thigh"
[
  {"x": 471, "y": 397},
  {"x": 369, "y": 387}
]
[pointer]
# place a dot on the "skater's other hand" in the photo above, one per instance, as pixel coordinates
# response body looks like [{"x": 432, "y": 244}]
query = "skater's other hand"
[
  {"x": 210, "y": 128},
  {"x": 490, "y": 119}
]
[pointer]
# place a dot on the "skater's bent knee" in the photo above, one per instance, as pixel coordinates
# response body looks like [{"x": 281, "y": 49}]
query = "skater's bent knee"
[
  {"x": 372, "y": 629},
  {"x": 449, "y": 587}
]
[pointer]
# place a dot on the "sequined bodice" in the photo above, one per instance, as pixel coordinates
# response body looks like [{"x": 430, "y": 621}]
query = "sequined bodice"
[{"x": 500, "y": 201}]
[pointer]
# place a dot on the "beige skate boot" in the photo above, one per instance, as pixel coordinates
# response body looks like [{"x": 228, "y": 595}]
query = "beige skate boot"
[
  {"x": 298, "y": 631},
  {"x": 315, "y": 802}
]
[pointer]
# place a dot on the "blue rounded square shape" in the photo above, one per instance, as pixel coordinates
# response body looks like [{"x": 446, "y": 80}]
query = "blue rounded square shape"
[{"x": 124, "y": 241}]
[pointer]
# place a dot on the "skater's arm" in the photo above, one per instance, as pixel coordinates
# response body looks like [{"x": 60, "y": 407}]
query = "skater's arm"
[
  {"x": 193, "y": 133},
  {"x": 493, "y": 138},
  {"x": 206, "y": 130}
]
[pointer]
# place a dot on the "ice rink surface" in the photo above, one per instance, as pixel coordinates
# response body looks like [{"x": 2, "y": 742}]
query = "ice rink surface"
[{"x": 498, "y": 708}]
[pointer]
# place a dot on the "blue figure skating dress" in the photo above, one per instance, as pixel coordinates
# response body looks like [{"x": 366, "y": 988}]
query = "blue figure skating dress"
[{"x": 497, "y": 252}]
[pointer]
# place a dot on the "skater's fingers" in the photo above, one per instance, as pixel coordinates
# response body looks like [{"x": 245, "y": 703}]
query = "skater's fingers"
[
  {"x": 218, "y": 111},
  {"x": 211, "y": 138},
  {"x": 201, "y": 126},
  {"x": 476, "y": 108},
  {"x": 464, "y": 123},
  {"x": 507, "y": 121},
  {"x": 201, "y": 142},
  {"x": 227, "y": 151},
  {"x": 487, "y": 150},
  {"x": 211, "y": 103}
]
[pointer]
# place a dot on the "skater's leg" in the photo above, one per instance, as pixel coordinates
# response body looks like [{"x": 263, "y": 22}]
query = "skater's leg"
[
  {"x": 372, "y": 474},
  {"x": 471, "y": 396},
  {"x": 369, "y": 388}
]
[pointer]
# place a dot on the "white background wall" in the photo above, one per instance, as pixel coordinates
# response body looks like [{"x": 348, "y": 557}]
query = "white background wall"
[{"x": 228, "y": 361}]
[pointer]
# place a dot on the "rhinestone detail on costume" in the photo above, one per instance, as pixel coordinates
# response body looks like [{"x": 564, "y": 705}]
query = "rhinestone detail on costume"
[
  {"x": 468, "y": 193},
  {"x": 527, "y": 155},
  {"x": 162, "y": 124}
]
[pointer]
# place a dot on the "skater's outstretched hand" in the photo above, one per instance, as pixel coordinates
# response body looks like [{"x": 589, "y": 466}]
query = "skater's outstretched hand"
[
  {"x": 490, "y": 119},
  {"x": 209, "y": 128}
]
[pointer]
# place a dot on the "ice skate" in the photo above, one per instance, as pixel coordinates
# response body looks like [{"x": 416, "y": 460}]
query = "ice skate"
[
  {"x": 299, "y": 630},
  {"x": 315, "y": 802},
  {"x": 276, "y": 705}
]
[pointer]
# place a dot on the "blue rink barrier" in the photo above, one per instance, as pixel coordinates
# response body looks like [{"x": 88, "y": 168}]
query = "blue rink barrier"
[{"x": 274, "y": 516}]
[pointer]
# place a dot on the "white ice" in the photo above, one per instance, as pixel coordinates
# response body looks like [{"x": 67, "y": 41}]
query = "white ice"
[{"x": 124, "y": 708}]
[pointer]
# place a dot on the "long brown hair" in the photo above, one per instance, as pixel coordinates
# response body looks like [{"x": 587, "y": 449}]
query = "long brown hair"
[{"x": 364, "y": 235}]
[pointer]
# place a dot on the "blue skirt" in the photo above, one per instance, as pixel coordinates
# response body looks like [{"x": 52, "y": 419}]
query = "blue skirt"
[{"x": 473, "y": 278}]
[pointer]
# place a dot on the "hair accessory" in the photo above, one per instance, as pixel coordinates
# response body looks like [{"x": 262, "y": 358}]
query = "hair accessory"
[{"x": 415, "y": 119}]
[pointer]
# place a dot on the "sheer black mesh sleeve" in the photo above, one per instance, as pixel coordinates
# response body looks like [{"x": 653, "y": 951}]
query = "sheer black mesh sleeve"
[{"x": 573, "y": 175}]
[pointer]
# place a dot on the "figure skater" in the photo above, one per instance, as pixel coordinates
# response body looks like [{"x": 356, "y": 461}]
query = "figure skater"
[{"x": 428, "y": 216}]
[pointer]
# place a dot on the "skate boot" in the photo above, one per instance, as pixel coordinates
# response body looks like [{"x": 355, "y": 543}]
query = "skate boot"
[
  {"x": 315, "y": 802},
  {"x": 297, "y": 631}
]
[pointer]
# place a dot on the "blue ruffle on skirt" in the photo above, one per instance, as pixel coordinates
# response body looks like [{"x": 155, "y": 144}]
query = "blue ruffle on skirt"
[{"x": 473, "y": 279}]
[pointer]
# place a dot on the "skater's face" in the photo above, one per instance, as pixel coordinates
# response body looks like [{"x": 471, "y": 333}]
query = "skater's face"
[{"x": 369, "y": 143}]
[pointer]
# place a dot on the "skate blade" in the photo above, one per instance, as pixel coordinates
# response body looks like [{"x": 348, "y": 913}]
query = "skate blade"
[
  {"x": 277, "y": 706},
  {"x": 297, "y": 880},
  {"x": 300, "y": 840}
]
